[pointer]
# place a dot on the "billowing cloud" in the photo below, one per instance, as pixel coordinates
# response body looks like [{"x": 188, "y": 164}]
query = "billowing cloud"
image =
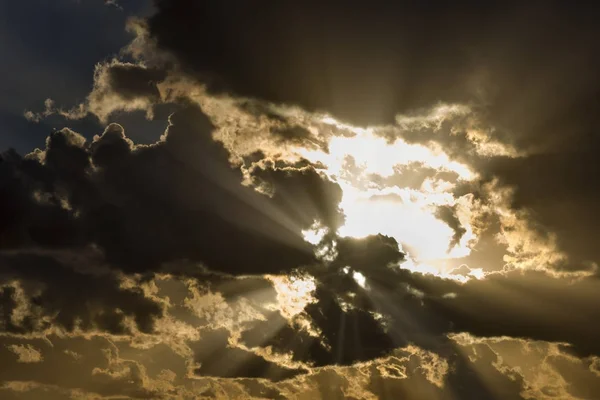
[
  {"x": 68, "y": 291},
  {"x": 365, "y": 303},
  {"x": 371, "y": 66},
  {"x": 26, "y": 354},
  {"x": 336, "y": 209},
  {"x": 118, "y": 86},
  {"x": 116, "y": 195}
]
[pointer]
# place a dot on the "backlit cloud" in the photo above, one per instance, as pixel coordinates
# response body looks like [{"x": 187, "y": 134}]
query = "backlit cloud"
[{"x": 335, "y": 208}]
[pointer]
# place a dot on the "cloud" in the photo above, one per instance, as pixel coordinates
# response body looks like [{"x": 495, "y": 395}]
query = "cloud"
[
  {"x": 124, "y": 86},
  {"x": 542, "y": 189},
  {"x": 26, "y": 354},
  {"x": 177, "y": 199},
  {"x": 172, "y": 267},
  {"x": 492, "y": 105},
  {"x": 373, "y": 253},
  {"x": 182, "y": 199},
  {"x": 468, "y": 110},
  {"x": 395, "y": 308},
  {"x": 300, "y": 136},
  {"x": 386, "y": 70},
  {"x": 118, "y": 86},
  {"x": 462, "y": 365},
  {"x": 56, "y": 290},
  {"x": 216, "y": 358},
  {"x": 412, "y": 176},
  {"x": 543, "y": 368},
  {"x": 100, "y": 372},
  {"x": 564, "y": 178},
  {"x": 448, "y": 215},
  {"x": 303, "y": 193}
]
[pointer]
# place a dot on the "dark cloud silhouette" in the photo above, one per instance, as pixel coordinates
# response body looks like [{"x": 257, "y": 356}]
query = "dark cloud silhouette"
[
  {"x": 366, "y": 62},
  {"x": 56, "y": 293},
  {"x": 132, "y": 81},
  {"x": 25, "y": 220},
  {"x": 396, "y": 308},
  {"x": 447, "y": 214},
  {"x": 526, "y": 298},
  {"x": 368, "y": 255},
  {"x": 559, "y": 190},
  {"x": 177, "y": 199},
  {"x": 342, "y": 314},
  {"x": 188, "y": 178}
]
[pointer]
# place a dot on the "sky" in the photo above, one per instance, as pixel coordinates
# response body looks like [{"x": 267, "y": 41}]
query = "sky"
[{"x": 299, "y": 200}]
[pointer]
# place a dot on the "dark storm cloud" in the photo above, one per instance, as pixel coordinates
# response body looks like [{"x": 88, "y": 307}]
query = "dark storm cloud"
[
  {"x": 561, "y": 190},
  {"x": 25, "y": 220},
  {"x": 423, "y": 309},
  {"x": 182, "y": 198},
  {"x": 342, "y": 314},
  {"x": 59, "y": 294},
  {"x": 529, "y": 71},
  {"x": 367, "y": 62},
  {"x": 177, "y": 199},
  {"x": 346, "y": 336},
  {"x": 524, "y": 305}
]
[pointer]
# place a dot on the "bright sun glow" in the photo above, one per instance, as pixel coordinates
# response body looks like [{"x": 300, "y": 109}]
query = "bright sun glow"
[
  {"x": 408, "y": 217},
  {"x": 407, "y": 213},
  {"x": 377, "y": 156}
]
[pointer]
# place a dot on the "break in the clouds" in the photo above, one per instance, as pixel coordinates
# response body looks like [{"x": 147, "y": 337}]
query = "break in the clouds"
[{"x": 345, "y": 201}]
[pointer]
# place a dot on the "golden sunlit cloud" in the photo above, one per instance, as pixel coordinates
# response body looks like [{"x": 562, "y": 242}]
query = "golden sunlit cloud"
[{"x": 294, "y": 293}]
